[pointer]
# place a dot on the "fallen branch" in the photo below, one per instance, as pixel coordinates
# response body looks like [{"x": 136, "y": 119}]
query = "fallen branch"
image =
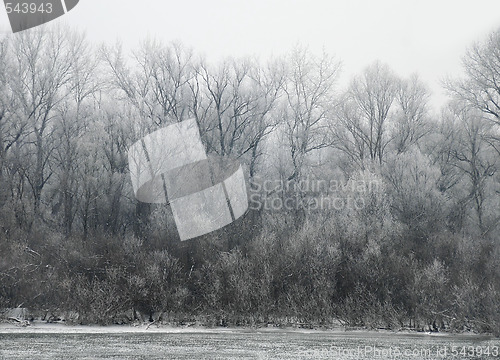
[{"x": 147, "y": 327}]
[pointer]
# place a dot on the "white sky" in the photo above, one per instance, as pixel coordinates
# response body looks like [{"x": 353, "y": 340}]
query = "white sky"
[{"x": 424, "y": 36}]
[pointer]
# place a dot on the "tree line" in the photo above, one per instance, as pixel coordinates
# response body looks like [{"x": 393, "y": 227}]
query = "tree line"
[{"x": 422, "y": 251}]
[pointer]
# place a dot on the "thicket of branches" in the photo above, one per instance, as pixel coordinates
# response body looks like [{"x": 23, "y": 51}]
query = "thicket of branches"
[{"x": 422, "y": 249}]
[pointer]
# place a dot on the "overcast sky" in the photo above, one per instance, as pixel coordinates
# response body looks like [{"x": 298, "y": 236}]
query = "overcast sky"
[{"x": 424, "y": 36}]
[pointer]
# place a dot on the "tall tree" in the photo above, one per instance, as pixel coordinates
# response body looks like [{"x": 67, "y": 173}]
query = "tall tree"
[
  {"x": 156, "y": 81},
  {"x": 472, "y": 157},
  {"x": 365, "y": 113},
  {"x": 41, "y": 80},
  {"x": 411, "y": 122},
  {"x": 481, "y": 86},
  {"x": 235, "y": 107},
  {"x": 75, "y": 117},
  {"x": 307, "y": 109}
]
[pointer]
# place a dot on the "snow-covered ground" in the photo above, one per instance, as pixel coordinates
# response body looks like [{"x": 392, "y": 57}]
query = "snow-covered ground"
[{"x": 58, "y": 341}]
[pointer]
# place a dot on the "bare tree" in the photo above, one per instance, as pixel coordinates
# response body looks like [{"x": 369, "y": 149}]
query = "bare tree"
[
  {"x": 158, "y": 84},
  {"x": 472, "y": 156},
  {"x": 157, "y": 81},
  {"x": 412, "y": 118},
  {"x": 12, "y": 125},
  {"x": 481, "y": 86},
  {"x": 234, "y": 108},
  {"x": 365, "y": 113},
  {"x": 309, "y": 99},
  {"x": 41, "y": 79},
  {"x": 75, "y": 116}
]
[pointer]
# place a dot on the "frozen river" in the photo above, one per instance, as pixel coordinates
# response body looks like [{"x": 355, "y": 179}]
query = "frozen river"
[{"x": 47, "y": 342}]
